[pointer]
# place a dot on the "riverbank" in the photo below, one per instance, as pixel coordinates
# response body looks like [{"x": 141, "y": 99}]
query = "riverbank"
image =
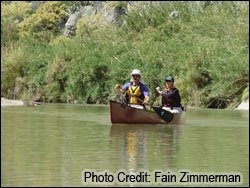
[{"x": 7, "y": 102}]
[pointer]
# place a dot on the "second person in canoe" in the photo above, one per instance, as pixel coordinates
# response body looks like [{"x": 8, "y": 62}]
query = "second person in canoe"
[{"x": 171, "y": 99}]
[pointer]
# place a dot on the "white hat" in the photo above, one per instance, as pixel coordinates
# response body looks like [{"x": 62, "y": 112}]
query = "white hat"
[{"x": 136, "y": 72}]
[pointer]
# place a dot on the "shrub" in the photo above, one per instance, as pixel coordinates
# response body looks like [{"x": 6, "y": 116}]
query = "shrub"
[
  {"x": 11, "y": 15},
  {"x": 13, "y": 66},
  {"x": 16, "y": 10},
  {"x": 45, "y": 22}
]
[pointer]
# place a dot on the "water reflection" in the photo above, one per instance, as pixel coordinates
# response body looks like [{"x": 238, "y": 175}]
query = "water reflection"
[{"x": 136, "y": 146}]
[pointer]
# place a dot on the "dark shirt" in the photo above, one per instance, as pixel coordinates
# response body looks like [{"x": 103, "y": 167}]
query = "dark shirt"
[{"x": 171, "y": 98}]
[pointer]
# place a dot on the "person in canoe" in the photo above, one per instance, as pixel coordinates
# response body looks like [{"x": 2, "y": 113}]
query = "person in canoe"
[
  {"x": 171, "y": 99},
  {"x": 136, "y": 91}
]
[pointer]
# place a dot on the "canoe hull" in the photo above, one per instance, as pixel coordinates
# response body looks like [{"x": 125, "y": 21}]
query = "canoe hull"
[{"x": 123, "y": 114}]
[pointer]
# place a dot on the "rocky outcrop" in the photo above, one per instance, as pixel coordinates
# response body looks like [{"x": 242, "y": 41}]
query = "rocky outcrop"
[
  {"x": 113, "y": 12},
  {"x": 70, "y": 26},
  {"x": 111, "y": 15}
]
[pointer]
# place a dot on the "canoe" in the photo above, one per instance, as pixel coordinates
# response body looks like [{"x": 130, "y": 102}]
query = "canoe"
[{"x": 124, "y": 114}]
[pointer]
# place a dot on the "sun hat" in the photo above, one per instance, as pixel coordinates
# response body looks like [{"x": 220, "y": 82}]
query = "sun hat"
[{"x": 136, "y": 72}]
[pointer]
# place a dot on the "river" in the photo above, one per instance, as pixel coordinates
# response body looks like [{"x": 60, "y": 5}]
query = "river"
[{"x": 53, "y": 144}]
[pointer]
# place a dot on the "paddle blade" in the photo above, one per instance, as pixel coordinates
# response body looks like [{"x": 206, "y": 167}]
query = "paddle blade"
[{"x": 164, "y": 114}]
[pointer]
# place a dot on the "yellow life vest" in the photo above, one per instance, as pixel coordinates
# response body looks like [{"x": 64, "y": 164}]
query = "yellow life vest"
[{"x": 134, "y": 91}]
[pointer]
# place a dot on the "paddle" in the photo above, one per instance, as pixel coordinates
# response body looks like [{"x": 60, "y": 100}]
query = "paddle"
[
  {"x": 155, "y": 96},
  {"x": 164, "y": 114}
]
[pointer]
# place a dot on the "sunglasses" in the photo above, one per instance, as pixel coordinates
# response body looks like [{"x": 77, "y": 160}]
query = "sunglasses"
[{"x": 136, "y": 75}]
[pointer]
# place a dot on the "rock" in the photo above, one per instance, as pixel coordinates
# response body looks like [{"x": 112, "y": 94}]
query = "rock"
[
  {"x": 70, "y": 26},
  {"x": 110, "y": 14},
  {"x": 36, "y": 4},
  {"x": 16, "y": 22},
  {"x": 114, "y": 15},
  {"x": 174, "y": 14},
  {"x": 243, "y": 105},
  {"x": 6, "y": 102}
]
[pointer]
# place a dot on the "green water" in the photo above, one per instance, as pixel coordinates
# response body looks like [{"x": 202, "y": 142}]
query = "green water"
[{"x": 52, "y": 144}]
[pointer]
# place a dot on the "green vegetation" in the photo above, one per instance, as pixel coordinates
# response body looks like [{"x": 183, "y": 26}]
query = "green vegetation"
[
  {"x": 44, "y": 22},
  {"x": 206, "y": 51}
]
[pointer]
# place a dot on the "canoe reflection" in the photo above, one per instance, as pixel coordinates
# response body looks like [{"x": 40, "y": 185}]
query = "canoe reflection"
[{"x": 137, "y": 145}]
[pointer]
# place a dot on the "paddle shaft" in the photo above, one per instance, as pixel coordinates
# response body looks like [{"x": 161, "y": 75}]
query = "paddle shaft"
[
  {"x": 154, "y": 99},
  {"x": 142, "y": 100}
]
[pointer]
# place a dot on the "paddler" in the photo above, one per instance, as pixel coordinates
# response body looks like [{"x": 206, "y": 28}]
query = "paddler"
[
  {"x": 171, "y": 99},
  {"x": 137, "y": 92}
]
